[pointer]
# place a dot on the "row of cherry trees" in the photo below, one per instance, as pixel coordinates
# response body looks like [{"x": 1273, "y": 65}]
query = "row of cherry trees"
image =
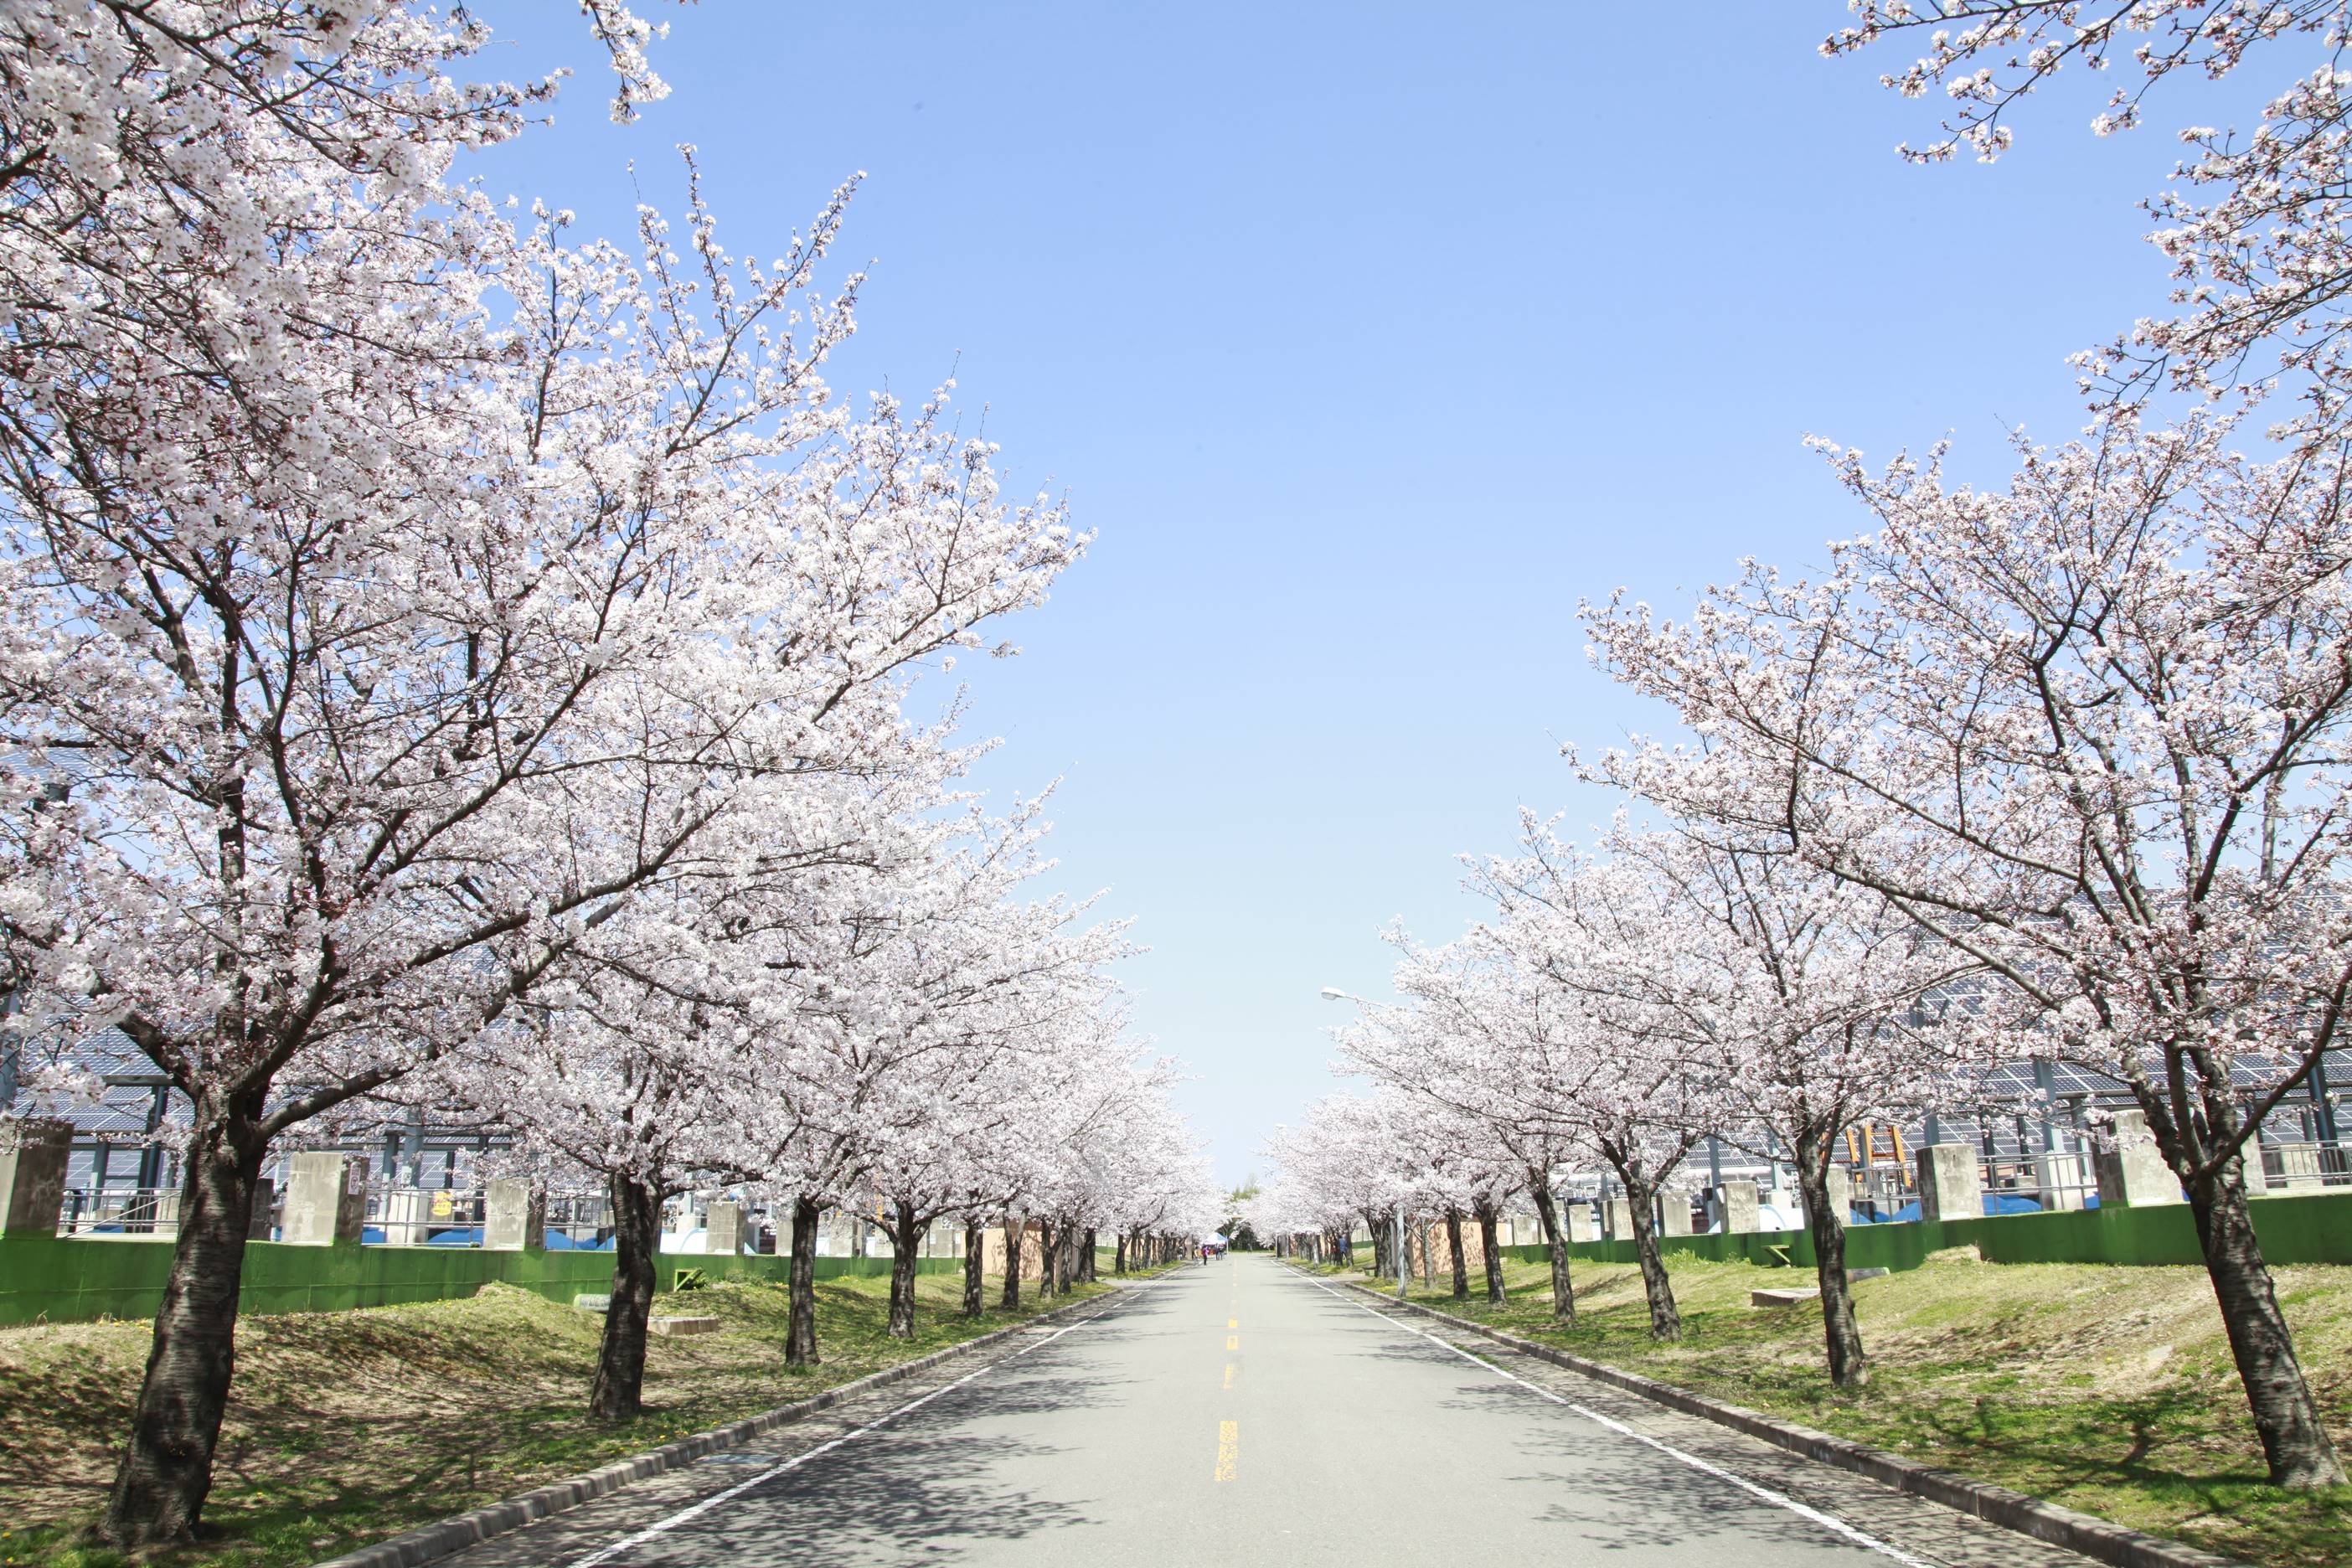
[
  {"x": 2052, "y": 767},
  {"x": 442, "y": 657},
  {"x": 906, "y": 1037},
  {"x": 1618, "y": 1007}
]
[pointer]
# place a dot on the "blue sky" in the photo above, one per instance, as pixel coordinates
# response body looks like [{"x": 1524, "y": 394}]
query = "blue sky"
[{"x": 1370, "y": 339}]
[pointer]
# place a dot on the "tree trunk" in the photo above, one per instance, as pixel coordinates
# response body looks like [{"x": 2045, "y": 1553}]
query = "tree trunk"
[
  {"x": 617, "y": 1393},
  {"x": 1046, "y": 1238},
  {"x": 1491, "y": 1253},
  {"x": 1563, "y": 1294},
  {"x": 1454, "y": 1245},
  {"x": 1642, "y": 1200},
  {"x": 975, "y": 1248},
  {"x": 1012, "y": 1299},
  {"x": 799, "y": 1333},
  {"x": 1087, "y": 1266},
  {"x": 166, "y": 1467},
  {"x": 1849, "y": 1368},
  {"x": 905, "y": 1236},
  {"x": 1428, "y": 1255},
  {"x": 2295, "y": 1445},
  {"x": 1118, "y": 1258}
]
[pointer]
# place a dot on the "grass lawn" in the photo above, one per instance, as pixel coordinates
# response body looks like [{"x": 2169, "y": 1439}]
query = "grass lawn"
[
  {"x": 346, "y": 1428},
  {"x": 2109, "y": 1389}
]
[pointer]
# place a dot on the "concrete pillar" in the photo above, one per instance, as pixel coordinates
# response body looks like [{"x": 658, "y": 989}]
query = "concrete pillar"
[
  {"x": 1576, "y": 1219},
  {"x": 407, "y": 1217},
  {"x": 1951, "y": 1183},
  {"x": 1737, "y": 1203},
  {"x": 2132, "y": 1174},
  {"x": 326, "y": 1198},
  {"x": 1673, "y": 1212},
  {"x": 514, "y": 1217},
  {"x": 32, "y": 1155},
  {"x": 722, "y": 1229},
  {"x": 264, "y": 1213},
  {"x": 1617, "y": 1219},
  {"x": 2060, "y": 1179}
]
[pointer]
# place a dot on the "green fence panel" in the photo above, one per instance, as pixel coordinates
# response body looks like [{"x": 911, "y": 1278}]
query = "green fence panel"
[
  {"x": 82, "y": 1280},
  {"x": 2293, "y": 1227}
]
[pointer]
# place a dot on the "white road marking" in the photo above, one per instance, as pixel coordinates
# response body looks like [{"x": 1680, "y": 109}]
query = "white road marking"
[
  {"x": 1778, "y": 1499},
  {"x": 661, "y": 1526}
]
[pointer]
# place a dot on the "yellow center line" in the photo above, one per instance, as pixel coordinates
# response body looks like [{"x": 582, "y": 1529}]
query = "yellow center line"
[
  {"x": 1229, "y": 1374},
  {"x": 1233, "y": 1323},
  {"x": 1233, "y": 1342},
  {"x": 1229, "y": 1449}
]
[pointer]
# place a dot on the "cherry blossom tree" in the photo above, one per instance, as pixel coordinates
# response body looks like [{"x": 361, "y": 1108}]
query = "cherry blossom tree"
[
  {"x": 2254, "y": 225},
  {"x": 421, "y": 593},
  {"x": 1595, "y": 1074},
  {"x": 1606, "y": 932},
  {"x": 1338, "y": 1166},
  {"x": 636, "y": 1057},
  {"x": 1744, "y": 992},
  {"x": 1009, "y": 1008},
  {"x": 1156, "y": 1183},
  {"x": 2087, "y": 730},
  {"x": 1471, "y": 1179},
  {"x": 891, "y": 1021},
  {"x": 1489, "y": 1041}
]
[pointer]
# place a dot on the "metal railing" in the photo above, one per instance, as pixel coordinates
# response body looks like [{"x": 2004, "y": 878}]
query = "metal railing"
[
  {"x": 584, "y": 1221},
  {"x": 2307, "y": 1166},
  {"x": 151, "y": 1212},
  {"x": 424, "y": 1216}
]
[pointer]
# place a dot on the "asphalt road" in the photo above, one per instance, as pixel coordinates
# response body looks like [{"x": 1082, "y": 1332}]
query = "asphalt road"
[{"x": 1242, "y": 1414}]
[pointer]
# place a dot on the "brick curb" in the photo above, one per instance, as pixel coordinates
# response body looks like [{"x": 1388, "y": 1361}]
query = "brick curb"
[
  {"x": 431, "y": 1542},
  {"x": 2082, "y": 1532}
]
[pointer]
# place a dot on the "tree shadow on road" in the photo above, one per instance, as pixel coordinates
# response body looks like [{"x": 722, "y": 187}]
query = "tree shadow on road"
[{"x": 918, "y": 1489}]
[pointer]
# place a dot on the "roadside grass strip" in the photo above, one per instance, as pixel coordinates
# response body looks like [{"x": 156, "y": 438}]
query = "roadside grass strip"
[{"x": 462, "y": 1402}]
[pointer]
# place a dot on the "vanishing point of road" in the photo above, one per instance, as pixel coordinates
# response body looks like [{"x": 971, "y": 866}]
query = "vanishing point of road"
[{"x": 1243, "y": 1413}]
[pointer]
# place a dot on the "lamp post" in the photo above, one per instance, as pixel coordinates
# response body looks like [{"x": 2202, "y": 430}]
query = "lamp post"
[{"x": 1333, "y": 993}]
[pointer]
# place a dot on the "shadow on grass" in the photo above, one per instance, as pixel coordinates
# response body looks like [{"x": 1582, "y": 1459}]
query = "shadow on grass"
[
  {"x": 346, "y": 1428},
  {"x": 1995, "y": 1393}
]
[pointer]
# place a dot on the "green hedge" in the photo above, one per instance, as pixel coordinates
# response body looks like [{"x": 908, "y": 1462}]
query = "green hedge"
[
  {"x": 2307, "y": 1227},
  {"x": 61, "y": 1281}
]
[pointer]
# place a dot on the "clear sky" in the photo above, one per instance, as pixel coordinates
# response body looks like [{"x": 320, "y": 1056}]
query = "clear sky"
[{"x": 1370, "y": 338}]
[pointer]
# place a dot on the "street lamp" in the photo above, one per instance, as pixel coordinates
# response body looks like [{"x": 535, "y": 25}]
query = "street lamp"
[{"x": 1333, "y": 993}]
